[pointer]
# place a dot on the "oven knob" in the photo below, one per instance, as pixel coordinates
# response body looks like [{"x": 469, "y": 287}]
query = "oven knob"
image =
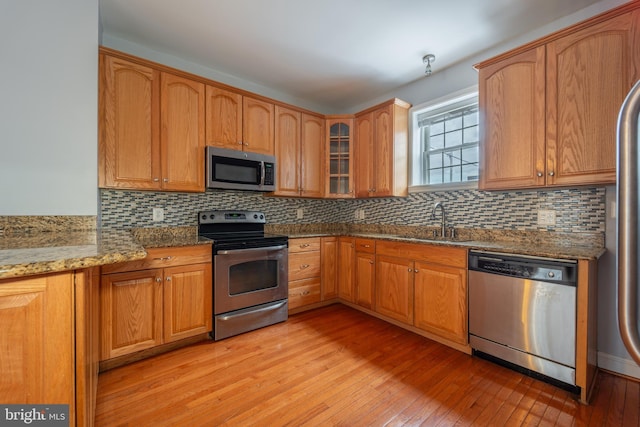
[
  {"x": 551, "y": 274},
  {"x": 255, "y": 216},
  {"x": 204, "y": 217},
  {"x": 261, "y": 216},
  {"x": 212, "y": 216}
]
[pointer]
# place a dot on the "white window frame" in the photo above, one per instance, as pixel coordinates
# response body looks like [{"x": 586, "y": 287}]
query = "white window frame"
[{"x": 415, "y": 154}]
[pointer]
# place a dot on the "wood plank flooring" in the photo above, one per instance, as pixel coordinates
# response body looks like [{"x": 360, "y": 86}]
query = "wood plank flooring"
[{"x": 337, "y": 366}]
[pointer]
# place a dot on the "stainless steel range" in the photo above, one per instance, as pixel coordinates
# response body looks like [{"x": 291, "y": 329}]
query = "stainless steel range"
[{"x": 249, "y": 272}]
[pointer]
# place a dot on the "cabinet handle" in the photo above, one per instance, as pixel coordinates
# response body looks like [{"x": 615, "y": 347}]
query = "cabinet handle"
[
  {"x": 303, "y": 266},
  {"x": 166, "y": 258},
  {"x": 304, "y": 293},
  {"x": 416, "y": 271},
  {"x": 304, "y": 245},
  {"x": 409, "y": 270},
  {"x": 169, "y": 279},
  {"x": 158, "y": 279},
  {"x": 539, "y": 174},
  {"x": 366, "y": 246},
  {"x": 156, "y": 180},
  {"x": 165, "y": 180},
  {"x": 246, "y": 144},
  {"x": 551, "y": 173},
  {"x": 239, "y": 142},
  {"x": 371, "y": 262}
]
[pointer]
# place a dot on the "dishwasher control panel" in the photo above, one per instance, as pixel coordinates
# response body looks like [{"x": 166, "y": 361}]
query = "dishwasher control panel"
[{"x": 534, "y": 268}]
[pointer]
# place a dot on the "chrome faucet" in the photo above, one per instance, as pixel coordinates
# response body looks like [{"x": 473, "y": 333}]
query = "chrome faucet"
[{"x": 433, "y": 216}]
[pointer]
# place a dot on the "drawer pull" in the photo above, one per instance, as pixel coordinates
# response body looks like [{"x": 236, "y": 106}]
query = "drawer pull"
[
  {"x": 305, "y": 293},
  {"x": 304, "y": 245},
  {"x": 367, "y": 246},
  {"x": 158, "y": 279},
  {"x": 303, "y": 266},
  {"x": 166, "y": 258}
]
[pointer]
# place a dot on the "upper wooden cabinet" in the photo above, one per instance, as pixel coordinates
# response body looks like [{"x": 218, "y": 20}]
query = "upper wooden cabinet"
[
  {"x": 550, "y": 110},
  {"x": 381, "y": 150},
  {"x": 299, "y": 143},
  {"x": 151, "y": 128},
  {"x": 339, "y": 158},
  {"x": 239, "y": 122}
]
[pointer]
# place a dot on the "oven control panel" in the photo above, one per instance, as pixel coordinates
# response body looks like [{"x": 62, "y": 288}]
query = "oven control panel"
[{"x": 221, "y": 217}]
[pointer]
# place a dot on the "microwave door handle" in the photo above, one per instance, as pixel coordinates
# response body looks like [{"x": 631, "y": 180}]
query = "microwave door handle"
[{"x": 262, "y": 172}]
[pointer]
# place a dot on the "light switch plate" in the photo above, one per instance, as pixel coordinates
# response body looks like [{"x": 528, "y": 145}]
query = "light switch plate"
[
  {"x": 299, "y": 213},
  {"x": 158, "y": 214}
]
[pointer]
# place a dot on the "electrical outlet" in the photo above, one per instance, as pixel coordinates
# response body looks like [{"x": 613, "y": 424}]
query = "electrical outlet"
[
  {"x": 546, "y": 217},
  {"x": 300, "y": 213},
  {"x": 613, "y": 209},
  {"x": 158, "y": 214},
  {"x": 361, "y": 213}
]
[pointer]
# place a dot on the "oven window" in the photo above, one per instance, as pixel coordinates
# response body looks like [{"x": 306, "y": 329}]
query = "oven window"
[{"x": 253, "y": 276}]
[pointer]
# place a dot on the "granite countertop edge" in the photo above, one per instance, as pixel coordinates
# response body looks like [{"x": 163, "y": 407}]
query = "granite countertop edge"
[
  {"x": 549, "y": 250},
  {"x": 27, "y": 254}
]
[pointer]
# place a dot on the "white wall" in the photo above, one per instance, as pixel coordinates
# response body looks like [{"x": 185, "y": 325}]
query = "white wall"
[{"x": 48, "y": 107}]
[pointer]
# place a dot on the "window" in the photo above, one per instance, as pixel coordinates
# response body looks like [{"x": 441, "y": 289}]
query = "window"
[{"x": 445, "y": 143}]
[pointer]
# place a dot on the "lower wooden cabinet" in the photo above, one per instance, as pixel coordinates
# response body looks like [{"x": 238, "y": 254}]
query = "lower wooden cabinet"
[
  {"x": 394, "y": 288},
  {"x": 365, "y": 272},
  {"x": 346, "y": 264},
  {"x": 304, "y": 272},
  {"x": 329, "y": 266},
  {"x": 441, "y": 300},
  {"x": 48, "y": 347},
  {"x": 163, "y": 298}
]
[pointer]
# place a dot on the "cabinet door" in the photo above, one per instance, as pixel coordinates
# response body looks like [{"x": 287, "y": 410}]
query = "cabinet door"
[
  {"x": 257, "y": 126},
  {"x": 346, "y": 260},
  {"x": 329, "y": 273},
  {"x": 129, "y": 144},
  {"x": 589, "y": 74},
  {"x": 37, "y": 340},
  {"x": 187, "y": 301},
  {"x": 287, "y": 130},
  {"x": 383, "y": 152},
  {"x": 512, "y": 99},
  {"x": 441, "y": 301},
  {"x": 131, "y": 312},
  {"x": 339, "y": 171},
  {"x": 182, "y": 133},
  {"x": 364, "y": 156},
  {"x": 312, "y": 156},
  {"x": 394, "y": 288},
  {"x": 365, "y": 279},
  {"x": 223, "y": 118}
]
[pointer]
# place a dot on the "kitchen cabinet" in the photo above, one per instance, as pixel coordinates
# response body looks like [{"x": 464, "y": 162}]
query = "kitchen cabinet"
[
  {"x": 48, "y": 345},
  {"x": 346, "y": 271},
  {"x": 381, "y": 150},
  {"x": 151, "y": 128},
  {"x": 339, "y": 157},
  {"x": 299, "y": 150},
  {"x": 238, "y": 122},
  {"x": 160, "y": 299},
  {"x": 550, "y": 108},
  {"x": 394, "y": 287},
  {"x": 365, "y": 272},
  {"x": 304, "y": 272},
  {"x": 441, "y": 299},
  {"x": 329, "y": 263}
]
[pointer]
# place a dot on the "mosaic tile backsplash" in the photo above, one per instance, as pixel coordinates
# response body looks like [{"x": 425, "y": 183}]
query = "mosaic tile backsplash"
[{"x": 577, "y": 210}]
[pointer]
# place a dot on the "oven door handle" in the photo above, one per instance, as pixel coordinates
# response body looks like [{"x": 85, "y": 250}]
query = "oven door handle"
[
  {"x": 242, "y": 251},
  {"x": 268, "y": 308}
]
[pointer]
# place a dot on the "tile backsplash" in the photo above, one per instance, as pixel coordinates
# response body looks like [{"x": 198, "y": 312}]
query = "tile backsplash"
[{"x": 577, "y": 209}]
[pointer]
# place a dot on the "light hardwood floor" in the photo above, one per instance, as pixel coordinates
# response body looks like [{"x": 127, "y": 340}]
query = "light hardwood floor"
[{"x": 337, "y": 366}]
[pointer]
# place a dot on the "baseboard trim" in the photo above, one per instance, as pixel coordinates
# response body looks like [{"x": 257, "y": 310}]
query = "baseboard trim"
[{"x": 619, "y": 365}]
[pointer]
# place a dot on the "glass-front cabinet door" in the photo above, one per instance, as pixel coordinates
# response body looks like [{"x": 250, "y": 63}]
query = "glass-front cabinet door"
[{"x": 340, "y": 158}]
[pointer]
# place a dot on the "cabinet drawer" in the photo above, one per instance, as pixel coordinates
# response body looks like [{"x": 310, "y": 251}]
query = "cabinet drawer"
[
  {"x": 304, "y": 292},
  {"x": 304, "y": 245},
  {"x": 452, "y": 257},
  {"x": 365, "y": 245},
  {"x": 164, "y": 257},
  {"x": 304, "y": 265}
]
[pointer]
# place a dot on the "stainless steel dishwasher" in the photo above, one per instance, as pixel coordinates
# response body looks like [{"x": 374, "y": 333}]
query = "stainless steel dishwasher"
[{"x": 522, "y": 310}]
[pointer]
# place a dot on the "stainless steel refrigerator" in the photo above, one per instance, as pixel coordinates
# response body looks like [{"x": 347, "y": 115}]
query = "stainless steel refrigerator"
[{"x": 627, "y": 226}]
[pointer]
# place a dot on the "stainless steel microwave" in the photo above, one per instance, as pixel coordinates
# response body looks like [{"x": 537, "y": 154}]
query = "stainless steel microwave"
[{"x": 239, "y": 170}]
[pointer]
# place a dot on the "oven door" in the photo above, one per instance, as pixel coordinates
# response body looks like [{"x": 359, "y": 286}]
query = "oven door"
[{"x": 248, "y": 277}]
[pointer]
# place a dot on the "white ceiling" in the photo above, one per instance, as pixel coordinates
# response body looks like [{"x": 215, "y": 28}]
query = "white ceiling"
[{"x": 333, "y": 53}]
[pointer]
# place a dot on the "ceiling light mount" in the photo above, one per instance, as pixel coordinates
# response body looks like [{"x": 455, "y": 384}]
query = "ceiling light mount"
[{"x": 427, "y": 60}]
